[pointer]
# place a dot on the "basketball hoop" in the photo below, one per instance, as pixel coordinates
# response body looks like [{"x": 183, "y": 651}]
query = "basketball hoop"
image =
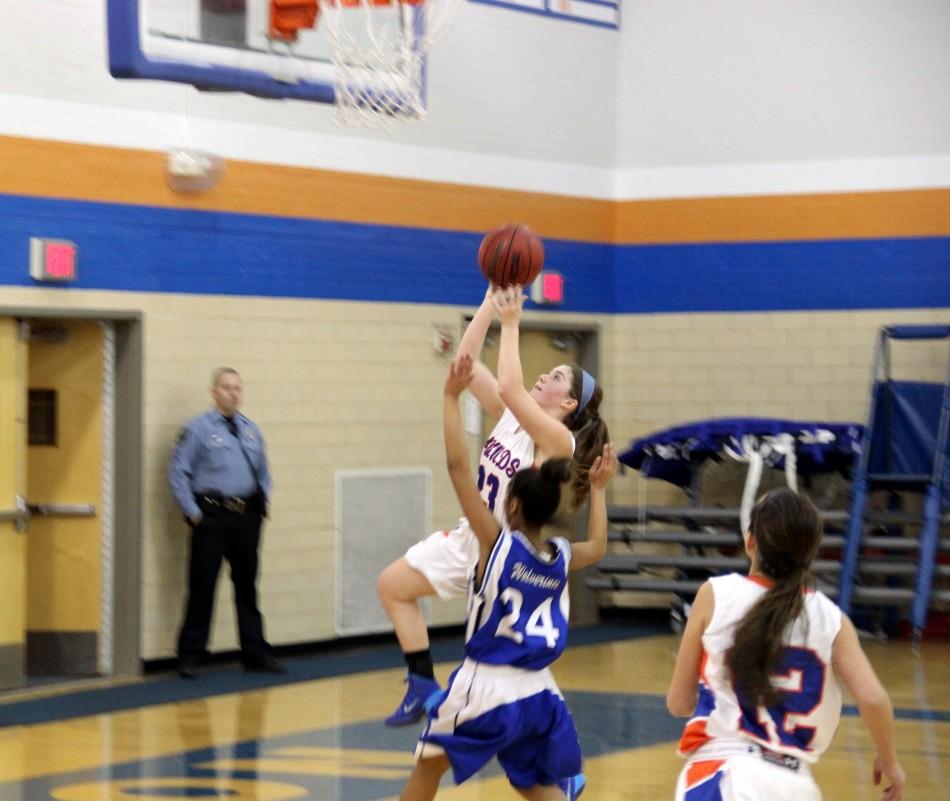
[{"x": 378, "y": 52}]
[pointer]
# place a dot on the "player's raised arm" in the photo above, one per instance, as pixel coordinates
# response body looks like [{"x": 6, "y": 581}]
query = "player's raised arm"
[
  {"x": 483, "y": 384},
  {"x": 592, "y": 551},
  {"x": 479, "y": 517},
  {"x": 550, "y": 435}
]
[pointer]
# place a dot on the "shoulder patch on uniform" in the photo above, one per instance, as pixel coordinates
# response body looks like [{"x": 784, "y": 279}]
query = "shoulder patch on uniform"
[{"x": 182, "y": 436}]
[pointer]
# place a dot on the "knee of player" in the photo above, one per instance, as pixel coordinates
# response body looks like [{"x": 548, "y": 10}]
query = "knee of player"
[
  {"x": 384, "y": 585},
  {"x": 388, "y": 584}
]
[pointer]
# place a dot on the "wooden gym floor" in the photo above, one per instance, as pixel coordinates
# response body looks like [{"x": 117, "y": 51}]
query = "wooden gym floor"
[{"x": 317, "y": 732}]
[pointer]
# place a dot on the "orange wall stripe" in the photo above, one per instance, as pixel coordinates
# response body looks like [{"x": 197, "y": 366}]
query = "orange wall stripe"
[
  {"x": 851, "y": 215},
  {"x": 42, "y": 168},
  {"x": 63, "y": 170}
]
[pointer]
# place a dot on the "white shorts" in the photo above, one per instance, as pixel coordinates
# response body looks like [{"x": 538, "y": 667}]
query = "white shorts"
[
  {"x": 447, "y": 559},
  {"x": 709, "y": 776}
]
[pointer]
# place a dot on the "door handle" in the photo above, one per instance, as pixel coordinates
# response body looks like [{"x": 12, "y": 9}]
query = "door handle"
[
  {"x": 62, "y": 509},
  {"x": 19, "y": 514}
]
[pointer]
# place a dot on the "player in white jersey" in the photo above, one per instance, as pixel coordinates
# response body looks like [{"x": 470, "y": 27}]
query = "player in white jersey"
[
  {"x": 502, "y": 700},
  {"x": 557, "y": 417},
  {"x": 757, "y": 672}
]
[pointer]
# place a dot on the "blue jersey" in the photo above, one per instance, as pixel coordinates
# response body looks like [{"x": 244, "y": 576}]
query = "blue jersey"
[{"x": 518, "y": 616}]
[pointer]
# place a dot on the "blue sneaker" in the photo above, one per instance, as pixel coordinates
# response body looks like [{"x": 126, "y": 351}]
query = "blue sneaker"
[
  {"x": 420, "y": 692},
  {"x": 573, "y": 787}
]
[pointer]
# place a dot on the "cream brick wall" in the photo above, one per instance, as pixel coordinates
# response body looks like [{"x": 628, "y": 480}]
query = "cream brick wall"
[
  {"x": 333, "y": 385},
  {"x": 338, "y": 385},
  {"x": 666, "y": 370}
]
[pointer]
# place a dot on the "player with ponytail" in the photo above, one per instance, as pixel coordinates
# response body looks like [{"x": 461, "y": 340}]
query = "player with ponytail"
[
  {"x": 787, "y": 539},
  {"x": 589, "y": 430},
  {"x": 502, "y": 701},
  {"x": 758, "y": 667}
]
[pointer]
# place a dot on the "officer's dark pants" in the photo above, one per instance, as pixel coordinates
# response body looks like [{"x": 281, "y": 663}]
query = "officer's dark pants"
[{"x": 235, "y": 537}]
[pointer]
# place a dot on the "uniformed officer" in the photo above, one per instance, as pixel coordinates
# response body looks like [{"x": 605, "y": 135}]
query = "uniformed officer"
[{"x": 220, "y": 480}]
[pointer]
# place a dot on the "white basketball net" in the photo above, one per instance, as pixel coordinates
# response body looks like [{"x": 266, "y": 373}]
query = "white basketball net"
[{"x": 378, "y": 53}]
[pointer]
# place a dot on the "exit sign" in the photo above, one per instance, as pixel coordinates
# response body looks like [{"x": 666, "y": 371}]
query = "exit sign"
[
  {"x": 548, "y": 289},
  {"x": 52, "y": 260}
]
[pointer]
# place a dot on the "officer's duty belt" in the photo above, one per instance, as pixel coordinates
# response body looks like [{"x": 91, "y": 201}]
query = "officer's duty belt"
[{"x": 227, "y": 502}]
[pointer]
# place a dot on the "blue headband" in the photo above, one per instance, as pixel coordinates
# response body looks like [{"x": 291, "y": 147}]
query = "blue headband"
[{"x": 587, "y": 391}]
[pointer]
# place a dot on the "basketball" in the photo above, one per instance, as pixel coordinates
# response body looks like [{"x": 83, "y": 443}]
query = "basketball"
[{"x": 511, "y": 254}]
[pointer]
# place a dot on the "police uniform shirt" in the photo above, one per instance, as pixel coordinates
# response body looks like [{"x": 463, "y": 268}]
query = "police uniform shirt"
[{"x": 209, "y": 458}]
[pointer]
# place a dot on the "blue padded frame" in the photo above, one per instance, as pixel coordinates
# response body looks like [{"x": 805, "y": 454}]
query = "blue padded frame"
[
  {"x": 937, "y": 490},
  {"x": 552, "y": 13},
  {"x": 127, "y": 59}
]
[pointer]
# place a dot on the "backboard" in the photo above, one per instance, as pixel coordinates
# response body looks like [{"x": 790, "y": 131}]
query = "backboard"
[{"x": 223, "y": 45}]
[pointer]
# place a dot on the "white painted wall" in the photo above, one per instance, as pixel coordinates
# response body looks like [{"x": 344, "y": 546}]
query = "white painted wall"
[
  {"x": 749, "y": 96},
  {"x": 690, "y": 98}
]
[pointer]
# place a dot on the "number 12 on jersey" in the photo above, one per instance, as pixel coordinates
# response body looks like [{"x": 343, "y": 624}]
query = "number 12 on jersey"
[{"x": 798, "y": 701}]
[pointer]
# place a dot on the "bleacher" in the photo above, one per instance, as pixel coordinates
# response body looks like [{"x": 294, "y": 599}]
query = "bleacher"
[{"x": 877, "y": 560}]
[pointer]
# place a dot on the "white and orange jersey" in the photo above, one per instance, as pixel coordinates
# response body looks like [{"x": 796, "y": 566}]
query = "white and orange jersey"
[
  {"x": 508, "y": 449},
  {"x": 804, "y": 721}
]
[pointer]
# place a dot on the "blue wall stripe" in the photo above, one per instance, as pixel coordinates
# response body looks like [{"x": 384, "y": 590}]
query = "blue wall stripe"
[
  {"x": 150, "y": 249},
  {"x": 841, "y": 274},
  {"x": 138, "y": 248}
]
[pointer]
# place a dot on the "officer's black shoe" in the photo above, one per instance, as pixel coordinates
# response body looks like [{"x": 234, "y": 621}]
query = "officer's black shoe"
[
  {"x": 266, "y": 665},
  {"x": 186, "y": 668}
]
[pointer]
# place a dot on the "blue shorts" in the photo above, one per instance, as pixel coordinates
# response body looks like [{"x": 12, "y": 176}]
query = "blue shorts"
[{"x": 514, "y": 714}]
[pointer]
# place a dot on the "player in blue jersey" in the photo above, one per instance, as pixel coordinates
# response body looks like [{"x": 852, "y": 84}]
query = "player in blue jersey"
[
  {"x": 502, "y": 700},
  {"x": 559, "y": 417}
]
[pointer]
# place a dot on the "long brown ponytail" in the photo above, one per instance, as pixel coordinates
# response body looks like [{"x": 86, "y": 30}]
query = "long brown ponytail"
[
  {"x": 787, "y": 530},
  {"x": 590, "y": 436}
]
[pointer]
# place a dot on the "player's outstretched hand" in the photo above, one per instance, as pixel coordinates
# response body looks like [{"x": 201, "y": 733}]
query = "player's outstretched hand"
[
  {"x": 508, "y": 303},
  {"x": 603, "y": 468},
  {"x": 895, "y": 775},
  {"x": 460, "y": 374}
]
